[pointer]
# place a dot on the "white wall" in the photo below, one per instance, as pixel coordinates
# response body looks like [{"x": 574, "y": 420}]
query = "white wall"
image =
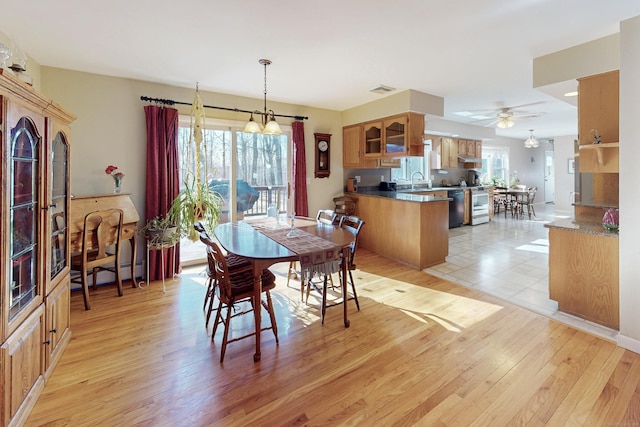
[
  {"x": 629, "y": 336},
  {"x": 564, "y": 181}
]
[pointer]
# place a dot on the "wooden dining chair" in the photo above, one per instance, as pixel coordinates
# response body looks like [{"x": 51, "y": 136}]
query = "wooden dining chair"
[
  {"x": 234, "y": 263},
  {"x": 527, "y": 202},
  {"x": 344, "y": 206},
  {"x": 100, "y": 249},
  {"x": 499, "y": 199},
  {"x": 233, "y": 288},
  {"x": 325, "y": 216},
  {"x": 352, "y": 224}
]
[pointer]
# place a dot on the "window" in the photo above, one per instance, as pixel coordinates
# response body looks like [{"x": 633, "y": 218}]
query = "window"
[
  {"x": 495, "y": 166},
  {"x": 260, "y": 165},
  {"x": 409, "y": 165}
]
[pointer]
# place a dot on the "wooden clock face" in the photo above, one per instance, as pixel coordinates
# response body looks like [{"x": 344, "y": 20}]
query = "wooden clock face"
[{"x": 322, "y": 142}]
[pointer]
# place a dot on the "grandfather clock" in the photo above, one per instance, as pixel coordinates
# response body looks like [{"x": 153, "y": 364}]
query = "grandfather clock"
[{"x": 323, "y": 151}]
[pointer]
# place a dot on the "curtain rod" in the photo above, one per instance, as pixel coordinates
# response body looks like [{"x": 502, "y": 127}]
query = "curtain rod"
[{"x": 237, "y": 110}]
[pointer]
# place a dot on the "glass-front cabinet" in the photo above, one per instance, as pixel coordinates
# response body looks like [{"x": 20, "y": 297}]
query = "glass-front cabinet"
[
  {"x": 34, "y": 244},
  {"x": 25, "y": 144},
  {"x": 373, "y": 139},
  {"x": 395, "y": 136}
]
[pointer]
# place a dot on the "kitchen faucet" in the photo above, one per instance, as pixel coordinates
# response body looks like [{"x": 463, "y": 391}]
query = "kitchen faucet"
[{"x": 414, "y": 174}]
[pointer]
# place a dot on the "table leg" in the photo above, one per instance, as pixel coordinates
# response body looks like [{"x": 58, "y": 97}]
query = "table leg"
[
  {"x": 257, "y": 307},
  {"x": 345, "y": 254}
]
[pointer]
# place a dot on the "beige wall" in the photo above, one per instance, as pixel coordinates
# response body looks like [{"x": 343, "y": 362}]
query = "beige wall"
[{"x": 110, "y": 129}]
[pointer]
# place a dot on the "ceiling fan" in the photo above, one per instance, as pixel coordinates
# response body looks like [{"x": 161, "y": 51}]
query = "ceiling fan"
[{"x": 504, "y": 117}]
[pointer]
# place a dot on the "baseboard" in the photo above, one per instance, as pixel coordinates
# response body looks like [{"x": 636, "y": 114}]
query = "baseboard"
[{"x": 629, "y": 343}]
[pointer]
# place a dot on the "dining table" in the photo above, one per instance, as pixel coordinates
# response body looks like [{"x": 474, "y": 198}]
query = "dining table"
[
  {"x": 268, "y": 241},
  {"x": 512, "y": 196}
]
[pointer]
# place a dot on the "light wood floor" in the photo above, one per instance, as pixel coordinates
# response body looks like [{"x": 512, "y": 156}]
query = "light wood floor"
[{"x": 422, "y": 351}]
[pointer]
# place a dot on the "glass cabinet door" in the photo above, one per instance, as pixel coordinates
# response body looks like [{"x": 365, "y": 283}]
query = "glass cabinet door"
[
  {"x": 24, "y": 219},
  {"x": 372, "y": 139},
  {"x": 58, "y": 207},
  {"x": 395, "y": 136}
]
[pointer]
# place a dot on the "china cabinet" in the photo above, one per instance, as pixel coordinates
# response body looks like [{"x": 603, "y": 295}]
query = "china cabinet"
[{"x": 34, "y": 244}]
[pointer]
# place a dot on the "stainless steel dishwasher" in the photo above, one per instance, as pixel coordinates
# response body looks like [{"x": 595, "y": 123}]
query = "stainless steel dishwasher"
[{"x": 456, "y": 207}]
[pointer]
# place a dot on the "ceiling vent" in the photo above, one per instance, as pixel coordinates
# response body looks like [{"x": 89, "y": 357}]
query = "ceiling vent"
[{"x": 382, "y": 89}]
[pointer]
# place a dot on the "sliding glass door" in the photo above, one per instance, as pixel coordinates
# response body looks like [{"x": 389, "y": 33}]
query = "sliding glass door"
[{"x": 250, "y": 171}]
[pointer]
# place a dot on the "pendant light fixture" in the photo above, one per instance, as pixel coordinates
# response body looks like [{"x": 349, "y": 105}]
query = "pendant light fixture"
[
  {"x": 531, "y": 142},
  {"x": 270, "y": 126}
]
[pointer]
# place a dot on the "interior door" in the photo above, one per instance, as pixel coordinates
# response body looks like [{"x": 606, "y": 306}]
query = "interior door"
[{"x": 549, "y": 178}]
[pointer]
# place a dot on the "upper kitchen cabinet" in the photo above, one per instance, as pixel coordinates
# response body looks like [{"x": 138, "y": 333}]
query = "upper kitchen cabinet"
[
  {"x": 391, "y": 137},
  {"x": 372, "y": 132},
  {"x": 403, "y": 135},
  {"x": 352, "y": 148},
  {"x": 444, "y": 154}
]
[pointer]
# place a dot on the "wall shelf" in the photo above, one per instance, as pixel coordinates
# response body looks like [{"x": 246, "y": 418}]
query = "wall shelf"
[{"x": 599, "y": 157}]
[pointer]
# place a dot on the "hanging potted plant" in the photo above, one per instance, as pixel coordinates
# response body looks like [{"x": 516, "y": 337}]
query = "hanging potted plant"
[{"x": 197, "y": 202}]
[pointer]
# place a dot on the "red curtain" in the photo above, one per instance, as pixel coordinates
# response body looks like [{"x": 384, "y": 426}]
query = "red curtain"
[
  {"x": 300, "y": 204},
  {"x": 163, "y": 182}
]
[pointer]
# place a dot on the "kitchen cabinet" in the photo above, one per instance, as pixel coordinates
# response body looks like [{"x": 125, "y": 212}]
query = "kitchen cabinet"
[
  {"x": 403, "y": 135},
  {"x": 444, "y": 154},
  {"x": 583, "y": 274},
  {"x": 598, "y": 113},
  {"x": 466, "y": 147},
  {"x": 352, "y": 149},
  {"x": 34, "y": 241},
  {"x": 372, "y": 139},
  {"x": 379, "y": 143},
  {"x": 478, "y": 149},
  {"x": 417, "y": 236}
]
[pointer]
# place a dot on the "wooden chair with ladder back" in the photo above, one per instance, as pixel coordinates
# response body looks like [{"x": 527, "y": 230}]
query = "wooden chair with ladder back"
[
  {"x": 234, "y": 262},
  {"x": 235, "y": 288},
  {"x": 353, "y": 224},
  {"x": 100, "y": 250},
  {"x": 325, "y": 216}
]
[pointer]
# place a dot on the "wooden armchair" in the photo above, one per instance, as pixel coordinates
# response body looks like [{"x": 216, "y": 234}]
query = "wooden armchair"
[{"x": 100, "y": 249}]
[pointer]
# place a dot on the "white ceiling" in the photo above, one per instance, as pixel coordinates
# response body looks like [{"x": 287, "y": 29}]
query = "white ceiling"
[{"x": 476, "y": 54}]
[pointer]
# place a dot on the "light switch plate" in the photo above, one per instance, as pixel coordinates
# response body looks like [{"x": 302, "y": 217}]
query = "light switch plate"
[{"x": 358, "y": 178}]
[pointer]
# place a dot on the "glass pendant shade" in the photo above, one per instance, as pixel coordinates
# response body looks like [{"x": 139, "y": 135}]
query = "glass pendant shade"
[
  {"x": 272, "y": 127},
  {"x": 252, "y": 126},
  {"x": 504, "y": 123},
  {"x": 531, "y": 142}
]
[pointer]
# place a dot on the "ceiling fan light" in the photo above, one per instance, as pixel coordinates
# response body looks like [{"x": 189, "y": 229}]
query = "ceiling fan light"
[
  {"x": 505, "y": 123},
  {"x": 252, "y": 126}
]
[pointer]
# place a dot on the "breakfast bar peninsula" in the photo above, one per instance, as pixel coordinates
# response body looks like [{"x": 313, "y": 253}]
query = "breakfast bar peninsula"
[{"x": 409, "y": 227}]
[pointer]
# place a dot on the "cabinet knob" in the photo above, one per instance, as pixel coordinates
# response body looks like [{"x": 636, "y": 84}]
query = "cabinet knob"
[
  {"x": 54, "y": 330},
  {"x": 46, "y": 208},
  {"x": 47, "y": 342}
]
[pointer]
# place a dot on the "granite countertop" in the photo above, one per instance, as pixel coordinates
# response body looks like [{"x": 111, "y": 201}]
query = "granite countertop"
[
  {"x": 404, "y": 196},
  {"x": 582, "y": 227}
]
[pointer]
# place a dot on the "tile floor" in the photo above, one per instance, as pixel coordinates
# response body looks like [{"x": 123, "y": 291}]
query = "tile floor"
[{"x": 508, "y": 258}]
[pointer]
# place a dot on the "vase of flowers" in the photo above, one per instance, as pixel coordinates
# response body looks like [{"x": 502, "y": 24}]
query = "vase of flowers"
[
  {"x": 117, "y": 177},
  {"x": 610, "y": 220}
]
